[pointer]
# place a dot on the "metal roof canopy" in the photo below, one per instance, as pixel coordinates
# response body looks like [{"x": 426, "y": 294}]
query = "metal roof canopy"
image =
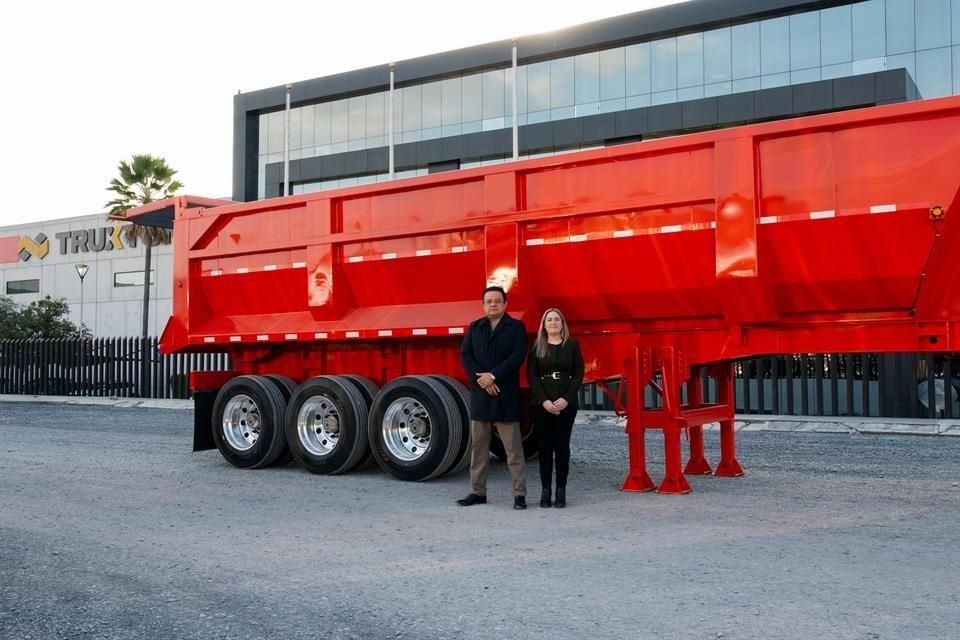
[{"x": 160, "y": 213}]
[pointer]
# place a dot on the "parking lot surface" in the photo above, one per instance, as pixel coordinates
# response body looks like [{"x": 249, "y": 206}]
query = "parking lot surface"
[{"x": 111, "y": 528}]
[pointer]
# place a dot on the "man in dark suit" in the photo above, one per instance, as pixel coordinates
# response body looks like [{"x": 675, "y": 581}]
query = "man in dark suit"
[{"x": 492, "y": 352}]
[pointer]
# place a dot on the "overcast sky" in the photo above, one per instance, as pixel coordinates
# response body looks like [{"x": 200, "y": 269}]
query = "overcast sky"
[{"x": 85, "y": 84}]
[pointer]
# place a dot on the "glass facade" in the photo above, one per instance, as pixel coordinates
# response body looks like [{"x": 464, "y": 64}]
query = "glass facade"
[{"x": 922, "y": 36}]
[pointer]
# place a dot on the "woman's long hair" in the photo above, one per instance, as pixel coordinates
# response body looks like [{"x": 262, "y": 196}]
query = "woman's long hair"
[{"x": 540, "y": 345}]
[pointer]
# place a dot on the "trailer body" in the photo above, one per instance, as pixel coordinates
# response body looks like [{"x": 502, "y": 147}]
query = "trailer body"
[{"x": 669, "y": 257}]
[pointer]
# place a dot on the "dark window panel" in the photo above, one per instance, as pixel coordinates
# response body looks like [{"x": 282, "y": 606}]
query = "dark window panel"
[
  {"x": 598, "y": 128},
  {"x": 734, "y": 108},
  {"x": 567, "y": 133},
  {"x": 813, "y": 97},
  {"x": 632, "y": 122},
  {"x": 853, "y": 92},
  {"x": 664, "y": 118},
  {"x": 699, "y": 114},
  {"x": 774, "y": 103}
]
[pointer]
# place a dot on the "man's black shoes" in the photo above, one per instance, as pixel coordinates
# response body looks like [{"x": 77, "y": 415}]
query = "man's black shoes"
[
  {"x": 471, "y": 500},
  {"x": 519, "y": 502}
]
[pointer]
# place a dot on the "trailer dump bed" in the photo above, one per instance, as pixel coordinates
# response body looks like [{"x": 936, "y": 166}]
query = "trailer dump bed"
[{"x": 819, "y": 234}]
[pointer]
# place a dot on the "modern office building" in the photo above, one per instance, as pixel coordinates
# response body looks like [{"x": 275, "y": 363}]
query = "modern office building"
[
  {"x": 684, "y": 67},
  {"x": 41, "y": 259}
]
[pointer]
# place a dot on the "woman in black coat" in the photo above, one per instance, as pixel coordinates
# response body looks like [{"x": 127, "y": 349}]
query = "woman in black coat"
[{"x": 555, "y": 372}]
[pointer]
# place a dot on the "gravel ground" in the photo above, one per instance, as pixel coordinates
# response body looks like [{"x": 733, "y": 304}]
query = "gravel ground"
[{"x": 111, "y": 528}]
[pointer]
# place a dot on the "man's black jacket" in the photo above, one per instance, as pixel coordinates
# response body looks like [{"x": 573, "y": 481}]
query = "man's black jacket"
[{"x": 500, "y": 352}]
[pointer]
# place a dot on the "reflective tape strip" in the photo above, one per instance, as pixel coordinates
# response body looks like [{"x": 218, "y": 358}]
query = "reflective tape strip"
[
  {"x": 673, "y": 228},
  {"x": 209, "y": 339},
  {"x": 533, "y": 242},
  {"x": 883, "y": 208},
  {"x": 419, "y": 253},
  {"x": 455, "y": 330},
  {"x": 320, "y": 336},
  {"x": 419, "y": 332},
  {"x": 578, "y": 238},
  {"x": 268, "y": 267},
  {"x": 353, "y": 334},
  {"x": 822, "y": 215},
  {"x": 234, "y": 338},
  {"x": 383, "y": 333},
  {"x": 290, "y": 336},
  {"x": 768, "y": 219},
  {"x": 624, "y": 233},
  {"x": 262, "y": 337}
]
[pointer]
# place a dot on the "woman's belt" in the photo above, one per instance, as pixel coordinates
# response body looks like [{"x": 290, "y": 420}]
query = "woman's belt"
[{"x": 555, "y": 375}]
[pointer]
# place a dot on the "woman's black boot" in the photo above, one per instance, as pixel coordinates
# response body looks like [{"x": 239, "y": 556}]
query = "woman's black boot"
[
  {"x": 545, "y": 497},
  {"x": 561, "y": 500}
]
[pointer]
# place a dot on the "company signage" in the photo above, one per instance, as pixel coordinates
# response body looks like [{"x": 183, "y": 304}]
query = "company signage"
[
  {"x": 87, "y": 240},
  {"x": 67, "y": 242}
]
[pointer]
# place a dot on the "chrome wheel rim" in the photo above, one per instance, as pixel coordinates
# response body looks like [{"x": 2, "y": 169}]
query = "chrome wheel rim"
[
  {"x": 318, "y": 425},
  {"x": 406, "y": 429},
  {"x": 241, "y": 422}
]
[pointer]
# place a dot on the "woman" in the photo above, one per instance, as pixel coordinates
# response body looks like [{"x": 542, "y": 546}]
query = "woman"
[{"x": 555, "y": 372}]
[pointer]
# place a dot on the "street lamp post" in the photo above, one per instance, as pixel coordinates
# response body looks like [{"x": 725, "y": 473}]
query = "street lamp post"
[{"x": 82, "y": 272}]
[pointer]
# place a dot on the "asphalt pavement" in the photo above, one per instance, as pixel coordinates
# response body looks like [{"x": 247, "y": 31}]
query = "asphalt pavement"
[{"x": 111, "y": 528}]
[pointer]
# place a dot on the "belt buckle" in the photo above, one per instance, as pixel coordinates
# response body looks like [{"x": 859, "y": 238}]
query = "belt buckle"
[{"x": 555, "y": 375}]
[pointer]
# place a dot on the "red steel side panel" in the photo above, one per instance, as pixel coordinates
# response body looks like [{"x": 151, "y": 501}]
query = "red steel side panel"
[{"x": 809, "y": 234}]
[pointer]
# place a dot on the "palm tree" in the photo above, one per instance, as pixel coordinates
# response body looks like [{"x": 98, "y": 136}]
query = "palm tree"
[{"x": 143, "y": 180}]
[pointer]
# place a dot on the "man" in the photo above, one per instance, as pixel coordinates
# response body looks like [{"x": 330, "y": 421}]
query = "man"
[{"x": 492, "y": 352}]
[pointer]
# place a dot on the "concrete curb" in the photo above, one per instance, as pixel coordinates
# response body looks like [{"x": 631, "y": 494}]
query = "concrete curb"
[
  {"x": 141, "y": 403},
  {"x": 812, "y": 424},
  {"x": 790, "y": 424}
]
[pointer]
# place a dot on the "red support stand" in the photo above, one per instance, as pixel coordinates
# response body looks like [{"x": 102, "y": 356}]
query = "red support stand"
[
  {"x": 697, "y": 465},
  {"x": 637, "y": 376},
  {"x": 728, "y": 467},
  {"x": 673, "y": 480}
]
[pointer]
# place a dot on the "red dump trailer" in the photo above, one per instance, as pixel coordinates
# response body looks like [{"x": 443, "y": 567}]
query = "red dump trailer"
[{"x": 343, "y": 311}]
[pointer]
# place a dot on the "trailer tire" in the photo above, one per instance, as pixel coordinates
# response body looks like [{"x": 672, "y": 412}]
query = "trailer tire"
[
  {"x": 325, "y": 425},
  {"x": 286, "y": 385},
  {"x": 462, "y": 396},
  {"x": 248, "y": 422},
  {"x": 415, "y": 429},
  {"x": 369, "y": 390}
]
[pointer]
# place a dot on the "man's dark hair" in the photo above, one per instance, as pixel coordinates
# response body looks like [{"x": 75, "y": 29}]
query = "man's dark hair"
[{"x": 502, "y": 291}]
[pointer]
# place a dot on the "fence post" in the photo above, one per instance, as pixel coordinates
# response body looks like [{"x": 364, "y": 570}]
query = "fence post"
[{"x": 948, "y": 386}]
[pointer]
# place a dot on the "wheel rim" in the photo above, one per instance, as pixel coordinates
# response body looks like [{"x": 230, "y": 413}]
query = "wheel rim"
[
  {"x": 406, "y": 429},
  {"x": 318, "y": 425},
  {"x": 241, "y": 422}
]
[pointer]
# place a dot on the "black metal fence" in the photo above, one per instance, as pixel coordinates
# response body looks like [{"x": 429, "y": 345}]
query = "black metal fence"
[
  {"x": 867, "y": 385},
  {"x": 122, "y": 367}
]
